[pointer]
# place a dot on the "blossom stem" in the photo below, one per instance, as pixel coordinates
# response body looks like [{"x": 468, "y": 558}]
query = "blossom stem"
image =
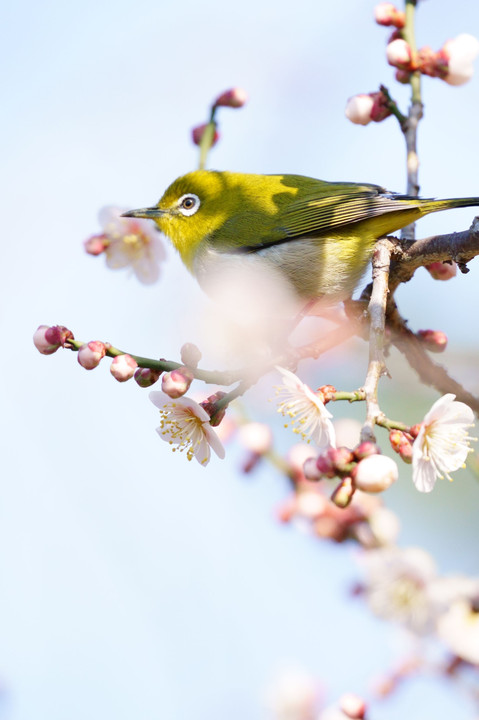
[
  {"x": 393, "y": 107},
  {"x": 207, "y": 138}
]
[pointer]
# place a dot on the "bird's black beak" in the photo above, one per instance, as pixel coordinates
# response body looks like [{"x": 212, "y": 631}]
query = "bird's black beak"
[{"x": 152, "y": 213}]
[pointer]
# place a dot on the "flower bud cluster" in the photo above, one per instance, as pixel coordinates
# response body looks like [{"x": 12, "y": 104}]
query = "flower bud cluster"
[
  {"x": 362, "y": 468},
  {"x": 453, "y": 63},
  {"x": 233, "y": 98},
  {"x": 47, "y": 339},
  {"x": 401, "y": 442}
]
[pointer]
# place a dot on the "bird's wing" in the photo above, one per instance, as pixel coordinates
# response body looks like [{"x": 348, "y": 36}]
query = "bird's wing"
[{"x": 347, "y": 204}]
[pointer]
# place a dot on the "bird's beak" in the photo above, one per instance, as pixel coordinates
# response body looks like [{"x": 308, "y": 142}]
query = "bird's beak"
[{"x": 152, "y": 213}]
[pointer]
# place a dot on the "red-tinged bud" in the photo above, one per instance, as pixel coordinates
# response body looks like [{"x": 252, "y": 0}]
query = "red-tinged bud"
[
  {"x": 48, "y": 339},
  {"x": 414, "y": 430},
  {"x": 342, "y": 459},
  {"x": 216, "y": 416},
  {"x": 286, "y": 511},
  {"x": 353, "y": 706},
  {"x": 380, "y": 109},
  {"x": 123, "y": 367},
  {"x": 146, "y": 377},
  {"x": 402, "y": 76},
  {"x": 343, "y": 494},
  {"x": 442, "y": 270},
  {"x": 90, "y": 354},
  {"x": 197, "y": 134},
  {"x": 190, "y": 355},
  {"x": 399, "y": 55},
  {"x": 405, "y": 452},
  {"x": 430, "y": 62},
  {"x": 310, "y": 469},
  {"x": 234, "y": 98},
  {"x": 96, "y": 244},
  {"x": 358, "y": 109},
  {"x": 375, "y": 473},
  {"x": 328, "y": 393},
  {"x": 386, "y": 14},
  {"x": 397, "y": 438},
  {"x": 435, "y": 340},
  {"x": 365, "y": 449},
  {"x": 177, "y": 382},
  {"x": 325, "y": 465}
]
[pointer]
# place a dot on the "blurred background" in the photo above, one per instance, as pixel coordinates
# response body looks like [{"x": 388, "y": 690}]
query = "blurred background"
[{"x": 134, "y": 584}]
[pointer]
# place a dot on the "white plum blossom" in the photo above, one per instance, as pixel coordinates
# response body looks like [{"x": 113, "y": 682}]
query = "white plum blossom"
[
  {"x": 292, "y": 696},
  {"x": 186, "y": 425},
  {"x": 458, "y": 628},
  {"x": 442, "y": 444},
  {"x": 460, "y": 53},
  {"x": 305, "y": 410},
  {"x": 132, "y": 242}
]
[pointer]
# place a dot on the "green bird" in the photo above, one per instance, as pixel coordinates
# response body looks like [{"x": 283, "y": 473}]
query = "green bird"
[{"x": 317, "y": 236}]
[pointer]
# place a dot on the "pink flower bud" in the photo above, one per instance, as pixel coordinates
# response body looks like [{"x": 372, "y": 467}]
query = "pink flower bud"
[
  {"x": 197, "y": 134},
  {"x": 190, "y": 355},
  {"x": 375, "y": 473},
  {"x": 358, "y": 109},
  {"x": 216, "y": 416},
  {"x": 397, "y": 438},
  {"x": 460, "y": 54},
  {"x": 343, "y": 494},
  {"x": 234, "y": 98},
  {"x": 442, "y": 270},
  {"x": 399, "y": 54},
  {"x": 96, "y": 244},
  {"x": 435, "y": 340},
  {"x": 353, "y": 706},
  {"x": 48, "y": 339},
  {"x": 342, "y": 459},
  {"x": 123, "y": 367},
  {"x": 145, "y": 377},
  {"x": 402, "y": 76},
  {"x": 365, "y": 449},
  {"x": 256, "y": 437},
  {"x": 386, "y": 14},
  {"x": 325, "y": 465},
  {"x": 90, "y": 354},
  {"x": 405, "y": 452},
  {"x": 177, "y": 382}
]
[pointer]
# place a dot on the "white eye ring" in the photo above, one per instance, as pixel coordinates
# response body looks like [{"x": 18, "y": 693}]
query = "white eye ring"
[{"x": 188, "y": 204}]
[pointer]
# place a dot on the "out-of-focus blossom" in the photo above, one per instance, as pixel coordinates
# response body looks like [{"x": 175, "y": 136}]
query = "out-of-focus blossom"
[
  {"x": 90, "y": 354},
  {"x": 442, "y": 444},
  {"x": 375, "y": 473},
  {"x": 177, "y": 382},
  {"x": 190, "y": 355},
  {"x": 123, "y": 367},
  {"x": 293, "y": 696},
  {"x": 234, "y": 98},
  {"x": 399, "y": 54},
  {"x": 442, "y": 270},
  {"x": 353, "y": 706},
  {"x": 458, "y": 628},
  {"x": 47, "y": 339},
  {"x": 298, "y": 456},
  {"x": 305, "y": 410},
  {"x": 434, "y": 340},
  {"x": 186, "y": 426},
  {"x": 347, "y": 432},
  {"x": 198, "y": 132},
  {"x": 256, "y": 437},
  {"x": 131, "y": 242},
  {"x": 387, "y": 14},
  {"x": 459, "y": 55},
  {"x": 398, "y": 585}
]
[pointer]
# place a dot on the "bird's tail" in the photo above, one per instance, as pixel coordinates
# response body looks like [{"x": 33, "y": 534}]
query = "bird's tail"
[{"x": 429, "y": 206}]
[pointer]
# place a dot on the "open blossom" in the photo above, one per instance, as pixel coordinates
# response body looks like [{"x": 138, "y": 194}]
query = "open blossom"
[
  {"x": 131, "y": 242},
  {"x": 442, "y": 444},
  {"x": 186, "y": 424},
  {"x": 458, "y": 627},
  {"x": 459, "y": 54},
  {"x": 305, "y": 409}
]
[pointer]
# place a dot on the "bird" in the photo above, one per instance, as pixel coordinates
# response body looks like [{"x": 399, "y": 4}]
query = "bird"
[{"x": 316, "y": 236}]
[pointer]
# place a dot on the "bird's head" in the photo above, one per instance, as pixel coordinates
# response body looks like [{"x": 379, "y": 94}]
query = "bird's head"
[{"x": 192, "y": 209}]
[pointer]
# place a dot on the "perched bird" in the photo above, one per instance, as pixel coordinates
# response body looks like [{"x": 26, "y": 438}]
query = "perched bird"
[{"x": 317, "y": 236}]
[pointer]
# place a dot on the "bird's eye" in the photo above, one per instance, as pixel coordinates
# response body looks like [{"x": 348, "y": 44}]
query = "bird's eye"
[{"x": 188, "y": 204}]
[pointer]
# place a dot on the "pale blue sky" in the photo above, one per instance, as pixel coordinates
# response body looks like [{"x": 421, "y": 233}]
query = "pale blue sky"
[{"x": 132, "y": 583}]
